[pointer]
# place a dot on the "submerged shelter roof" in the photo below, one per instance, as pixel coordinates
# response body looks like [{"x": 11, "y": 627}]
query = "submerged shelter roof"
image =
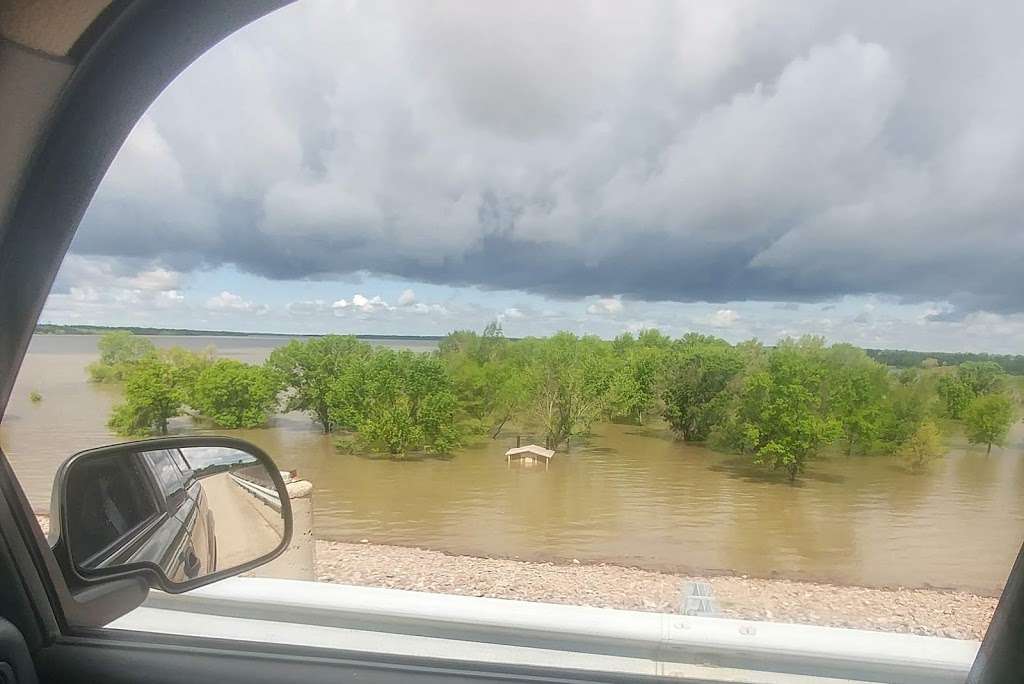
[{"x": 530, "y": 450}]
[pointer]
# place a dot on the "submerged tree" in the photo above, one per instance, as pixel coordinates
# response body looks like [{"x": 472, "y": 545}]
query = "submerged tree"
[
  {"x": 922, "y": 447},
  {"x": 972, "y": 379},
  {"x": 956, "y": 395},
  {"x": 856, "y": 387},
  {"x": 635, "y": 386},
  {"x": 780, "y": 414},
  {"x": 118, "y": 349},
  {"x": 489, "y": 378},
  {"x": 571, "y": 377},
  {"x": 234, "y": 394},
  {"x": 307, "y": 369},
  {"x": 409, "y": 404},
  {"x": 982, "y": 377},
  {"x": 908, "y": 404},
  {"x": 153, "y": 395},
  {"x": 698, "y": 371},
  {"x": 188, "y": 364},
  {"x": 988, "y": 419}
]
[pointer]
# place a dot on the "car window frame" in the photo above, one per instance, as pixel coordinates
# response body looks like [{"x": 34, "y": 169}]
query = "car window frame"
[
  {"x": 136, "y": 65},
  {"x": 171, "y": 500},
  {"x": 94, "y": 97},
  {"x": 188, "y": 475}
]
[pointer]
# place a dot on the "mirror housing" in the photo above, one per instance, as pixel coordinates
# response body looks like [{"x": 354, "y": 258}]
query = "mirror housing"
[{"x": 149, "y": 510}]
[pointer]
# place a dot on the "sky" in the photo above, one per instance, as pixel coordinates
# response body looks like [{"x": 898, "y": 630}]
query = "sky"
[{"x": 738, "y": 168}]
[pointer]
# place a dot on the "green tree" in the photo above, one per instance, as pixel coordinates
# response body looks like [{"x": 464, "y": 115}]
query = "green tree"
[
  {"x": 118, "y": 351},
  {"x": 922, "y": 447},
  {"x": 234, "y": 394},
  {"x": 622, "y": 344},
  {"x": 988, "y": 419},
  {"x": 488, "y": 377},
  {"x": 856, "y": 387},
  {"x": 781, "y": 414},
  {"x": 956, "y": 395},
  {"x": 982, "y": 377},
  {"x": 508, "y": 380},
  {"x": 972, "y": 379},
  {"x": 570, "y": 380},
  {"x": 390, "y": 428},
  {"x": 410, "y": 404},
  {"x": 347, "y": 396},
  {"x": 470, "y": 365},
  {"x": 908, "y": 404},
  {"x": 698, "y": 371},
  {"x": 189, "y": 364},
  {"x": 652, "y": 338},
  {"x": 435, "y": 418},
  {"x": 635, "y": 386},
  {"x": 307, "y": 369},
  {"x": 153, "y": 396}
]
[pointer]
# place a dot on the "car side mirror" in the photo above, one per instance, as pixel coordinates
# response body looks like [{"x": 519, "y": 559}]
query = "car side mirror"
[{"x": 180, "y": 511}]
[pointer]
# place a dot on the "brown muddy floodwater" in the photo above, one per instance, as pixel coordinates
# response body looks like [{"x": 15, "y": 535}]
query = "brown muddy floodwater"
[{"x": 631, "y": 496}]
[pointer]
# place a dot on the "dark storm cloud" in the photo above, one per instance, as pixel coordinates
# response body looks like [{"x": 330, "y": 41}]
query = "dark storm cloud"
[{"x": 697, "y": 152}]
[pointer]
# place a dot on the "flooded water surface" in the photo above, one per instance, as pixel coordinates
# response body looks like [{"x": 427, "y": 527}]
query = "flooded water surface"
[{"x": 630, "y": 496}]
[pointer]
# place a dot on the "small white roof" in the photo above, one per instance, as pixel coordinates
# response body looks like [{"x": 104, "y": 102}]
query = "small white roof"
[{"x": 531, "y": 449}]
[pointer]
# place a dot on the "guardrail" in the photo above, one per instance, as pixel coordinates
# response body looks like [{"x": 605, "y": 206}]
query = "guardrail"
[
  {"x": 264, "y": 494},
  {"x": 338, "y": 616},
  {"x": 298, "y": 561}
]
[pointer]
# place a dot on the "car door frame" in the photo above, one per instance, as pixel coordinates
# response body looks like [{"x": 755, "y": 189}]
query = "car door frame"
[
  {"x": 169, "y": 515},
  {"x": 119, "y": 66}
]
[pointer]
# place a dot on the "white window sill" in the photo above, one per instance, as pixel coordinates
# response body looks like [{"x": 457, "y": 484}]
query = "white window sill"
[{"x": 389, "y": 621}]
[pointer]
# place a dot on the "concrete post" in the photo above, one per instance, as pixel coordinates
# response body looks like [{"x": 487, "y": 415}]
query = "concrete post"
[{"x": 299, "y": 560}]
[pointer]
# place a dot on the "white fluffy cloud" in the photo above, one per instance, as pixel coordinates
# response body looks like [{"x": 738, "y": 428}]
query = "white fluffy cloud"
[
  {"x": 606, "y": 306},
  {"x": 307, "y": 307},
  {"x": 91, "y": 289},
  {"x": 361, "y": 304},
  {"x": 406, "y": 298},
  {"x": 230, "y": 302},
  {"x": 723, "y": 318}
]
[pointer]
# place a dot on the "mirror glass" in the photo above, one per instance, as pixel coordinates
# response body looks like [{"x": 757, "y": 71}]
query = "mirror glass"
[{"x": 191, "y": 511}]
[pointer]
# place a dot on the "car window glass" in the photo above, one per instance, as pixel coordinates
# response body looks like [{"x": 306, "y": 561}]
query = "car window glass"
[
  {"x": 115, "y": 499},
  {"x": 183, "y": 466},
  {"x": 167, "y": 475}
]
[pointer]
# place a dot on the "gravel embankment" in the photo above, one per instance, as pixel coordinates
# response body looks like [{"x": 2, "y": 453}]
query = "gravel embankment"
[{"x": 952, "y": 614}]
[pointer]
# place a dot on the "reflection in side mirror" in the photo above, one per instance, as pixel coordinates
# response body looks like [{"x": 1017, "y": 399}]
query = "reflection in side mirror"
[{"x": 190, "y": 510}]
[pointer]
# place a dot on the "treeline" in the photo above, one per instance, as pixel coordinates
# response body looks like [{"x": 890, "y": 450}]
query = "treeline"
[
  {"x": 781, "y": 406},
  {"x": 54, "y": 329},
  {"x": 390, "y": 401},
  {"x": 902, "y": 358},
  {"x": 160, "y": 384}
]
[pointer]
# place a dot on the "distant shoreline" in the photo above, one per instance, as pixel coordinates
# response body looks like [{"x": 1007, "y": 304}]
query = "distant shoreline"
[
  {"x": 53, "y": 329},
  {"x": 896, "y": 358}
]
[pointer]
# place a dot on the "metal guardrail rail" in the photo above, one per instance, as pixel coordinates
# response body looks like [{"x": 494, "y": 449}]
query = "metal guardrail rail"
[
  {"x": 338, "y": 616},
  {"x": 264, "y": 494}
]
